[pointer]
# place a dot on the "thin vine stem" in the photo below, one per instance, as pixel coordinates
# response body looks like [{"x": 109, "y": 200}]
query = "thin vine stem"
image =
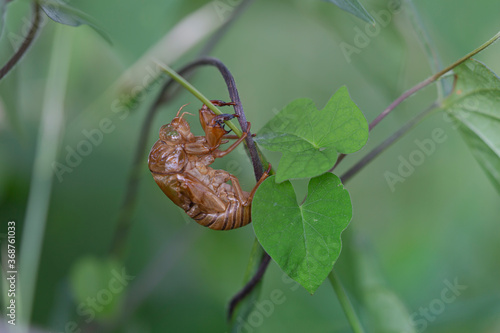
[
  {"x": 421, "y": 85},
  {"x": 26, "y": 43},
  {"x": 430, "y": 80},
  {"x": 350, "y": 314}
]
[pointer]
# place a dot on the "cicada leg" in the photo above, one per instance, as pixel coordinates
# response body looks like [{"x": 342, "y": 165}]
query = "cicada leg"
[
  {"x": 220, "y": 153},
  {"x": 244, "y": 198}
]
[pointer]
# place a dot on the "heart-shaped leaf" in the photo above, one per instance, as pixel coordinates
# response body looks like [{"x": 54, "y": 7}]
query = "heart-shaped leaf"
[
  {"x": 475, "y": 106},
  {"x": 355, "y": 8},
  {"x": 61, "y": 12},
  {"x": 304, "y": 240},
  {"x": 311, "y": 140}
]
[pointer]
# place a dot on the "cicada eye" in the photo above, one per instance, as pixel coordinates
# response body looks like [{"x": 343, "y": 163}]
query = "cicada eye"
[{"x": 168, "y": 132}]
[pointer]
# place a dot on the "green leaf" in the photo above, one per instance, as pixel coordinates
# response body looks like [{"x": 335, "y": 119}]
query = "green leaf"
[
  {"x": 303, "y": 240},
  {"x": 475, "y": 107},
  {"x": 311, "y": 140},
  {"x": 355, "y": 8},
  {"x": 101, "y": 281},
  {"x": 61, "y": 12}
]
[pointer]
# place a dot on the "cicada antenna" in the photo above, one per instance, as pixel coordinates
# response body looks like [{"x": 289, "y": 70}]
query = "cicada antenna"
[
  {"x": 182, "y": 115},
  {"x": 182, "y": 107}
]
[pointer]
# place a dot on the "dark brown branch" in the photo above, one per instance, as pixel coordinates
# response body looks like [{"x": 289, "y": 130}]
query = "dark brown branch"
[{"x": 26, "y": 43}]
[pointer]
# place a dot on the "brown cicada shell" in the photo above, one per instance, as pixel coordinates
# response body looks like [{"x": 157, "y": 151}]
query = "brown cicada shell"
[{"x": 179, "y": 163}]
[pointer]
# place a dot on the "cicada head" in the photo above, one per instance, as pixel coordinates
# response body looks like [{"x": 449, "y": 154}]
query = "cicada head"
[{"x": 178, "y": 131}]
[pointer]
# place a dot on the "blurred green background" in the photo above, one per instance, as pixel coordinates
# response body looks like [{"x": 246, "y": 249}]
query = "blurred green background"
[{"x": 441, "y": 224}]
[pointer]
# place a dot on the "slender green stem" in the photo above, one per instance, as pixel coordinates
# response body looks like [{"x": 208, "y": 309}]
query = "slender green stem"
[
  {"x": 421, "y": 85},
  {"x": 352, "y": 318},
  {"x": 41, "y": 181},
  {"x": 466, "y": 57},
  {"x": 189, "y": 87},
  {"x": 430, "y": 80}
]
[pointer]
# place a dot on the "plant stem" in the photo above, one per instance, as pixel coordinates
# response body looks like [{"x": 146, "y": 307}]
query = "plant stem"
[
  {"x": 350, "y": 314},
  {"x": 41, "y": 181},
  {"x": 430, "y": 80},
  {"x": 419, "y": 86},
  {"x": 26, "y": 43}
]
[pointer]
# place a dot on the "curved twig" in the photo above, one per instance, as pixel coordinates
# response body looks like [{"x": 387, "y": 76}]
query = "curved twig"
[{"x": 26, "y": 43}]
